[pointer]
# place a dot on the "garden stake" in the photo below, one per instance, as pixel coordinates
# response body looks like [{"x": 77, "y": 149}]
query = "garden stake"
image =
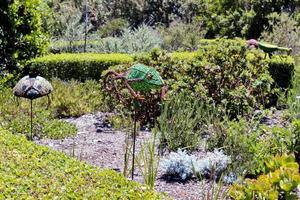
[
  {"x": 32, "y": 87},
  {"x": 134, "y": 138},
  {"x": 31, "y": 116}
]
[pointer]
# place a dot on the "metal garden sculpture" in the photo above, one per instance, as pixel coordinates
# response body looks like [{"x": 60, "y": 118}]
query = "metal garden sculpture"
[
  {"x": 32, "y": 87},
  {"x": 142, "y": 83},
  {"x": 267, "y": 48}
]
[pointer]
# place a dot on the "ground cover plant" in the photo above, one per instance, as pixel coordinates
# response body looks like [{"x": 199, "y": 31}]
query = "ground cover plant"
[{"x": 30, "y": 171}]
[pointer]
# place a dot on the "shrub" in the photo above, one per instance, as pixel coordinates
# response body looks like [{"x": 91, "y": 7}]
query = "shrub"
[
  {"x": 249, "y": 144},
  {"x": 32, "y": 171},
  {"x": 282, "y": 69},
  {"x": 180, "y": 36},
  {"x": 279, "y": 183},
  {"x": 182, "y": 121},
  {"x": 21, "y": 33},
  {"x": 219, "y": 75},
  {"x": 183, "y": 166},
  {"x": 178, "y": 165},
  {"x": 212, "y": 165},
  {"x": 139, "y": 40},
  {"x": 61, "y": 46},
  {"x": 76, "y": 66},
  {"x": 113, "y": 28},
  {"x": 283, "y": 31},
  {"x": 81, "y": 98}
]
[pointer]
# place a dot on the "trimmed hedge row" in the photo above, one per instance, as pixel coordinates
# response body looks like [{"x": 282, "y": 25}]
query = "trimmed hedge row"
[
  {"x": 30, "y": 171},
  {"x": 85, "y": 66},
  {"x": 81, "y": 66},
  {"x": 282, "y": 70}
]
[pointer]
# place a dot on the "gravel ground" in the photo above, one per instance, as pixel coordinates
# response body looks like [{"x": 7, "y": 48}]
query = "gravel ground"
[{"x": 98, "y": 144}]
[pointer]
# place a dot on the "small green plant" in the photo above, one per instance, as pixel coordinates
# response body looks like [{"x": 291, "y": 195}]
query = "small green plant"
[
  {"x": 148, "y": 162},
  {"x": 279, "y": 183},
  {"x": 214, "y": 191},
  {"x": 75, "y": 99},
  {"x": 250, "y": 143}
]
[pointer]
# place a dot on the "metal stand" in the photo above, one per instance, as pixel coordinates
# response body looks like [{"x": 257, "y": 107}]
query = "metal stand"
[
  {"x": 31, "y": 116},
  {"x": 134, "y": 138}
]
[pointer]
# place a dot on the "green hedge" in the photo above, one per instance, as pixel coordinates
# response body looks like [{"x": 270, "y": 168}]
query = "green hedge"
[
  {"x": 30, "y": 171},
  {"x": 282, "y": 70},
  {"x": 90, "y": 65},
  {"x": 81, "y": 66}
]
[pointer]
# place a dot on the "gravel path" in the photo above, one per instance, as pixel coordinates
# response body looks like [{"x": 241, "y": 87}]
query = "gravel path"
[{"x": 98, "y": 144}]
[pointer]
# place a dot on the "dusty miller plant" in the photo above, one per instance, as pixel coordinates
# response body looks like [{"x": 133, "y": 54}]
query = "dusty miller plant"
[
  {"x": 184, "y": 166},
  {"x": 178, "y": 165},
  {"x": 212, "y": 165}
]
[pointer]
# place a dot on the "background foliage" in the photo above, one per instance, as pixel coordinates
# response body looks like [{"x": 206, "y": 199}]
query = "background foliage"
[{"x": 21, "y": 35}]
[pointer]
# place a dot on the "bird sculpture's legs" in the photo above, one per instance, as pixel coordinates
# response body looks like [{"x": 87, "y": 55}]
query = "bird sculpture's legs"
[
  {"x": 31, "y": 116},
  {"x": 49, "y": 101},
  {"x": 134, "y": 138}
]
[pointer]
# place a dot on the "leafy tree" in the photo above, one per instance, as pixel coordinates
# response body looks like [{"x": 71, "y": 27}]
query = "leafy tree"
[
  {"x": 242, "y": 18},
  {"x": 21, "y": 36},
  {"x": 283, "y": 31}
]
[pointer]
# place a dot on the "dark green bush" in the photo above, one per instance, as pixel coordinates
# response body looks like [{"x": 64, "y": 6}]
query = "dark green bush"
[
  {"x": 30, "y": 171},
  {"x": 21, "y": 35},
  {"x": 225, "y": 74},
  {"x": 81, "y": 66},
  {"x": 282, "y": 69}
]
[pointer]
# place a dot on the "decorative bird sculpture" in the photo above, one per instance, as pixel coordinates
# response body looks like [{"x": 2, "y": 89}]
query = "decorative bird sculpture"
[
  {"x": 140, "y": 80},
  {"x": 32, "y": 87},
  {"x": 267, "y": 48}
]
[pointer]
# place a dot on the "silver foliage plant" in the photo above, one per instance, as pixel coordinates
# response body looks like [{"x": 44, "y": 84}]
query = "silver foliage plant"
[
  {"x": 212, "y": 166},
  {"x": 184, "y": 166},
  {"x": 179, "y": 165}
]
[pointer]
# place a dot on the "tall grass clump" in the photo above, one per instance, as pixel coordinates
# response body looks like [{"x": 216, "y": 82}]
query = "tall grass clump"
[
  {"x": 148, "y": 162},
  {"x": 182, "y": 121}
]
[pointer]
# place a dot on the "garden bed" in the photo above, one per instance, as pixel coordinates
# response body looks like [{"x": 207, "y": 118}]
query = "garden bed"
[{"x": 100, "y": 145}]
